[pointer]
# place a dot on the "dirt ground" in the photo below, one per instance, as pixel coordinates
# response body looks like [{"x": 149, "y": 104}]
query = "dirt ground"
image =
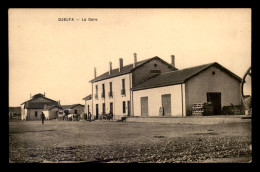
[{"x": 103, "y": 141}]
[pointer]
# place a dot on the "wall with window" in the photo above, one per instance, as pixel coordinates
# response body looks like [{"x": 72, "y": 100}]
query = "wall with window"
[
  {"x": 116, "y": 97},
  {"x": 212, "y": 80},
  {"x": 79, "y": 109},
  {"x": 34, "y": 114},
  {"x": 155, "y": 100},
  {"x": 153, "y": 67}
]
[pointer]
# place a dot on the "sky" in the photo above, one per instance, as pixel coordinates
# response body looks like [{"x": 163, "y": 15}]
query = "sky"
[{"x": 58, "y": 57}]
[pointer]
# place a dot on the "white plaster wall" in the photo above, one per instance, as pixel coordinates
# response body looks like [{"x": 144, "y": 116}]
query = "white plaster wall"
[
  {"x": 198, "y": 86},
  {"x": 31, "y": 114},
  {"x": 52, "y": 113},
  {"x": 23, "y": 114},
  {"x": 117, "y": 97},
  {"x": 155, "y": 100},
  {"x": 88, "y": 102}
]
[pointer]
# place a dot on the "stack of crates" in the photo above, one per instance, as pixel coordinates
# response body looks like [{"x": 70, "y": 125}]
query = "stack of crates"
[{"x": 197, "y": 109}]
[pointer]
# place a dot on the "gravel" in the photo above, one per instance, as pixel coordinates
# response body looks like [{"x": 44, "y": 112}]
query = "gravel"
[{"x": 166, "y": 150}]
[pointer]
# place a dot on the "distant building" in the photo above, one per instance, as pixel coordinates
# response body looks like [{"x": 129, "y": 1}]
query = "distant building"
[
  {"x": 74, "y": 109},
  {"x": 153, "y": 87},
  {"x": 15, "y": 112},
  {"x": 88, "y": 107},
  {"x": 32, "y": 109}
]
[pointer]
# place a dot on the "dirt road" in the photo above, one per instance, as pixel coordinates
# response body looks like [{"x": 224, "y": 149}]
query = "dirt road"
[{"x": 103, "y": 141}]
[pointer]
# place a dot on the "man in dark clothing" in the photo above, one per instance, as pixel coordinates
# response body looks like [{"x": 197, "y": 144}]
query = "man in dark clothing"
[{"x": 42, "y": 117}]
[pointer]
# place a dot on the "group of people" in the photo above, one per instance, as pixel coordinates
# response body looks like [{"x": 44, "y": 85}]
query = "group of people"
[{"x": 88, "y": 117}]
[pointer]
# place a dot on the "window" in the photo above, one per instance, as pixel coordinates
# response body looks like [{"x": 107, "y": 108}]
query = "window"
[
  {"x": 155, "y": 71},
  {"x": 110, "y": 83},
  {"x": 96, "y": 96},
  {"x": 110, "y": 94},
  {"x": 123, "y": 87},
  {"x": 123, "y": 106},
  {"x": 103, "y": 91},
  {"x": 75, "y": 111},
  {"x": 36, "y": 114},
  {"x": 123, "y": 84}
]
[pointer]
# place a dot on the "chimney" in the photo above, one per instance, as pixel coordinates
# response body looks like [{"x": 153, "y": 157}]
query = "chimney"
[
  {"x": 120, "y": 64},
  {"x": 59, "y": 103},
  {"x": 30, "y": 96},
  {"x": 95, "y": 72},
  {"x": 110, "y": 68},
  {"x": 44, "y": 94},
  {"x": 173, "y": 60},
  {"x": 135, "y": 60}
]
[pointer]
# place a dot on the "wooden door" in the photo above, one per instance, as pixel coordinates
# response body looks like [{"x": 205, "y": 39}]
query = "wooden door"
[
  {"x": 128, "y": 108},
  {"x": 104, "y": 108},
  {"x": 96, "y": 111},
  {"x": 166, "y": 104},
  {"x": 111, "y": 107},
  {"x": 144, "y": 106},
  {"x": 215, "y": 99}
]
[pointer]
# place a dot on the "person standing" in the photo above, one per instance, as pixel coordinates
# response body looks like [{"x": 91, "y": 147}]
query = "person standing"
[
  {"x": 89, "y": 116},
  {"x": 42, "y": 117}
]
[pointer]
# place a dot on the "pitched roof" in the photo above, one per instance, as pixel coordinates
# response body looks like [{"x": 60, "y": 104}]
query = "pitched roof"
[
  {"x": 127, "y": 69},
  {"x": 89, "y": 97},
  {"x": 70, "y": 106},
  {"x": 39, "y": 105},
  {"x": 178, "y": 76},
  {"x": 53, "y": 106},
  {"x": 37, "y": 98}
]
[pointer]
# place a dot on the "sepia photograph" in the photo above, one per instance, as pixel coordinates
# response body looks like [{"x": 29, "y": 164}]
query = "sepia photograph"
[{"x": 130, "y": 85}]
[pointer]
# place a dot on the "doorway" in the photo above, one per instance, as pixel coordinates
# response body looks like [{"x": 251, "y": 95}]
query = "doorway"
[
  {"x": 166, "y": 104},
  {"x": 104, "y": 109},
  {"x": 111, "y": 107},
  {"x": 128, "y": 108},
  {"x": 144, "y": 106},
  {"x": 215, "y": 99},
  {"x": 96, "y": 111}
]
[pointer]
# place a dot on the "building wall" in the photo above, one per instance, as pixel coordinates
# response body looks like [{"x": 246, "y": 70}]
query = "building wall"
[
  {"x": 88, "y": 103},
  {"x": 23, "y": 114},
  {"x": 142, "y": 73},
  {"x": 31, "y": 114},
  {"x": 80, "y": 109},
  {"x": 117, "y": 98},
  {"x": 198, "y": 86},
  {"x": 51, "y": 114},
  {"x": 155, "y": 100}
]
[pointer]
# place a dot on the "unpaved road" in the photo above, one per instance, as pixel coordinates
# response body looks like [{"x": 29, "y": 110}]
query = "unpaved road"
[{"x": 103, "y": 141}]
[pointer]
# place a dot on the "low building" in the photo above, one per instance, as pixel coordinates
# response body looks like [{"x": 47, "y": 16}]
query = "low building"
[
  {"x": 15, "y": 112},
  {"x": 32, "y": 109},
  {"x": 174, "y": 93},
  {"x": 74, "y": 109},
  {"x": 51, "y": 112}
]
